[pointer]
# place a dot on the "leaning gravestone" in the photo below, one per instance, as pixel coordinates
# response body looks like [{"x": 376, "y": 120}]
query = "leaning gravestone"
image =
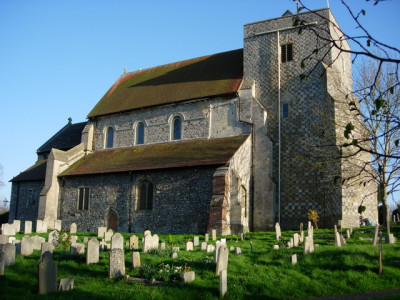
[
  {"x": 133, "y": 242},
  {"x": 116, "y": 263},
  {"x": 26, "y": 246},
  {"x": 101, "y": 231},
  {"x": 8, "y": 229},
  {"x": 53, "y": 238},
  {"x": 73, "y": 228},
  {"x": 117, "y": 241},
  {"x": 375, "y": 240},
  {"x": 9, "y": 254},
  {"x": 28, "y": 227},
  {"x": 278, "y": 232},
  {"x": 17, "y": 225},
  {"x": 92, "y": 254},
  {"x": 195, "y": 241},
  {"x": 222, "y": 263},
  {"x": 338, "y": 242},
  {"x": 47, "y": 249},
  {"x": 223, "y": 283},
  {"x": 3, "y": 239},
  {"x": 47, "y": 275},
  {"x": 150, "y": 242},
  {"x": 347, "y": 234},
  {"x": 135, "y": 259}
]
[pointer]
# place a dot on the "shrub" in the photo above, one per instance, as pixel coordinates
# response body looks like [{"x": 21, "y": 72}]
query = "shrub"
[{"x": 313, "y": 217}]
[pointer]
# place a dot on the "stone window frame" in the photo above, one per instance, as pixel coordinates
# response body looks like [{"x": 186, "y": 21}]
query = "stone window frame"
[
  {"x": 136, "y": 133},
  {"x": 286, "y": 52},
  {"x": 146, "y": 206},
  {"x": 171, "y": 122},
  {"x": 106, "y": 134},
  {"x": 87, "y": 191}
]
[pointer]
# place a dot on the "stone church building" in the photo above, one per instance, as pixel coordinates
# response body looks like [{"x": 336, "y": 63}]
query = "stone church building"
[{"x": 225, "y": 141}]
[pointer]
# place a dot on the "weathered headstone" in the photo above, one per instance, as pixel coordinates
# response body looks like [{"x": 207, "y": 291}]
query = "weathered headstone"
[
  {"x": 146, "y": 232},
  {"x": 37, "y": 242},
  {"x": 196, "y": 241},
  {"x": 117, "y": 241},
  {"x": 150, "y": 242},
  {"x": 342, "y": 239},
  {"x": 348, "y": 234},
  {"x": 77, "y": 248},
  {"x": 217, "y": 244},
  {"x": 135, "y": 259},
  {"x": 210, "y": 248},
  {"x": 17, "y": 225},
  {"x": 2, "y": 263},
  {"x": 101, "y": 231},
  {"x": 223, "y": 283},
  {"x": 308, "y": 245},
  {"x": 222, "y": 263},
  {"x": 174, "y": 255},
  {"x": 242, "y": 236},
  {"x": 103, "y": 245},
  {"x": 85, "y": 239},
  {"x": 73, "y": 228},
  {"x": 66, "y": 284},
  {"x": 92, "y": 253},
  {"x": 276, "y": 247},
  {"x": 189, "y": 246},
  {"x": 188, "y": 277},
  {"x": 133, "y": 242},
  {"x": 116, "y": 263},
  {"x": 53, "y": 238},
  {"x": 73, "y": 239},
  {"x": 47, "y": 275},
  {"x": 47, "y": 249},
  {"x": 231, "y": 248},
  {"x": 278, "y": 231},
  {"x": 28, "y": 227},
  {"x": 293, "y": 259},
  {"x": 4, "y": 239},
  {"x": 203, "y": 246},
  {"x": 26, "y": 246},
  {"x": 176, "y": 249},
  {"x": 291, "y": 242},
  {"x": 57, "y": 225},
  {"x": 375, "y": 240},
  {"x": 41, "y": 226},
  {"x": 206, "y": 237},
  {"x": 9, "y": 254},
  {"x": 238, "y": 251},
  {"x": 162, "y": 246},
  {"x": 223, "y": 241},
  {"x": 334, "y": 229},
  {"x": 8, "y": 229},
  {"x": 302, "y": 236},
  {"x": 296, "y": 239},
  {"x": 213, "y": 234},
  {"x": 108, "y": 235},
  {"x": 338, "y": 242},
  {"x": 390, "y": 239}
]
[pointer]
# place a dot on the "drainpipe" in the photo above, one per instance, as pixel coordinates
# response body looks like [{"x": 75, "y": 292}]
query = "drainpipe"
[{"x": 130, "y": 202}]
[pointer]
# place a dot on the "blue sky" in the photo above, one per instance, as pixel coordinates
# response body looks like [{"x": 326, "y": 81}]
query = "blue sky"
[{"x": 58, "y": 58}]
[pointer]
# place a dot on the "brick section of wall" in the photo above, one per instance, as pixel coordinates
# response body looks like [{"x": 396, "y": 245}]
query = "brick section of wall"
[{"x": 181, "y": 201}]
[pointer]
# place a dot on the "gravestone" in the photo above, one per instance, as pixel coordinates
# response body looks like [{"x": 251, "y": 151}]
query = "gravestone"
[
  {"x": 108, "y": 235},
  {"x": 188, "y": 277},
  {"x": 210, "y": 248},
  {"x": 189, "y": 246},
  {"x": 296, "y": 239},
  {"x": 309, "y": 229},
  {"x": 73, "y": 228},
  {"x": 206, "y": 237},
  {"x": 291, "y": 242},
  {"x": 53, "y": 238},
  {"x": 278, "y": 232},
  {"x": 342, "y": 239},
  {"x": 223, "y": 241},
  {"x": 135, "y": 259},
  {"x": 150, "y": 242},
  {"x": 375, "y": 240},
  {"x": 4, "y": 239},
  {"x": 1, "y": 263},
  {"x": 103, "y": 245},
  {"x": 195, "y": 241},
  {"x": 77, "y": 248},
  {"x": 116, "y": 263},
  {"x": 242, "y": 236},
  {"x": 133, "y": 242},
  {"x": 231, "y": 248},
  {"x": 302, "y": 236},
  {"x": 276, "y": 247},
  {"x": 223, "y": 283},
  {"x": 222, "y": 263},
  {"x": 238, "y": 251},
  {"x": 390, "y": 239},
  {"x": 57, "y": 225},
  {"x": 203, "y": 246},
  {"x": 301, "y": 227},
  {"x": 9, "y": 254},
  {"x": 41, "y": 226},
  {"x": 17, "y": 225},
  {"x": 26, "y": 246},
  {"x": 66, "y": 284},
  {"x": 92, "y": 253},
  {"x": 146, "y": 232},
  {"x": 28, "y": 227},
  {"x": 162, "y": 246},
  {"x": 101, "y": 231},
  {"x": 174, "y": 255},
  {"x": 293, "y": 259},
  {"x": 73, "y": 239},
  {"x": 335, "y": 229},
  {"x": 308, "y": 245},
  {"x": 47, "y": 249},
  {"x": 338, "y": 242},
  {"x": 85, "y": 239},
  {"x": 117, "y": 241},
  {"x": 37, "y": 242},
  {"x": 213, "y": 234},
  {"x": 175, "y": 249},
  {"x": 217, "y": 244},
  {"x": 8, "y": 229},
  {"x": 47, "y": 275},
  {"x": 348, "y": 234}
]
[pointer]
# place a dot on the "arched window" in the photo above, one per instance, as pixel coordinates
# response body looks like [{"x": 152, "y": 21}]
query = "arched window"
[
  {"x": 177, "y": 129},
  {"x": 109, "y": 137},
  {"x": 145, "y": 195},
  {"x": 140, "y": 134}
]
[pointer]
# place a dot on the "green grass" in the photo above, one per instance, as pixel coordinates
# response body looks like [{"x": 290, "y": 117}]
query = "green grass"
[{"x": 263, "y": 273}]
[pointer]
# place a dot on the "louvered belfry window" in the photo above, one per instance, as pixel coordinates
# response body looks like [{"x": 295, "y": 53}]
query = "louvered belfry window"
[{"x": 286, "y": 53}]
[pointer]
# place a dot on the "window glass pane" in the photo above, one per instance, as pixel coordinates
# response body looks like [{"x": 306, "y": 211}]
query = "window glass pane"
[
  {"x": 285, "y": 110},
  {"x": 140, "y": 134},
  {"x": 142, "y": 196},
  {"x": 86, "y": 199},
  {"x": 177, "y": 128},
  {"x": 283, "y": 53},
  {"x": 150, "y": 196},
  {"x": 80, "y": 199},
  {"x": 289, "y": 52},
  {"x": 110, "y": 137}
]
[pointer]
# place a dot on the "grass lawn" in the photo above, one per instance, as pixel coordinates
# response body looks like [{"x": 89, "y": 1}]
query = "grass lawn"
[{"x": 261, "y": 274}]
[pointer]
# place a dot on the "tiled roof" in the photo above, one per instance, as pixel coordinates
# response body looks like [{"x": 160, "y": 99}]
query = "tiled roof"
[
  {"x": 187, "y": 153},
  {"x": 206, "y": 76},
  {"x": 68, "y": 137},
  {"x": 34, "y": 173}
]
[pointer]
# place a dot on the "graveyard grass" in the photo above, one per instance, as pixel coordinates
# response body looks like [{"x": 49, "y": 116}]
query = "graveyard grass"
[{"x": 263, "y": 273}]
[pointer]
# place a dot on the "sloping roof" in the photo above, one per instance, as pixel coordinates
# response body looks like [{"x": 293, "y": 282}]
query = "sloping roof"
[
  {"x": 159, "y": 156},
  {"x": 33, "y": 173},
  {"x": 200, "y": 77},
  {"x": 68, "y": 137}
]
